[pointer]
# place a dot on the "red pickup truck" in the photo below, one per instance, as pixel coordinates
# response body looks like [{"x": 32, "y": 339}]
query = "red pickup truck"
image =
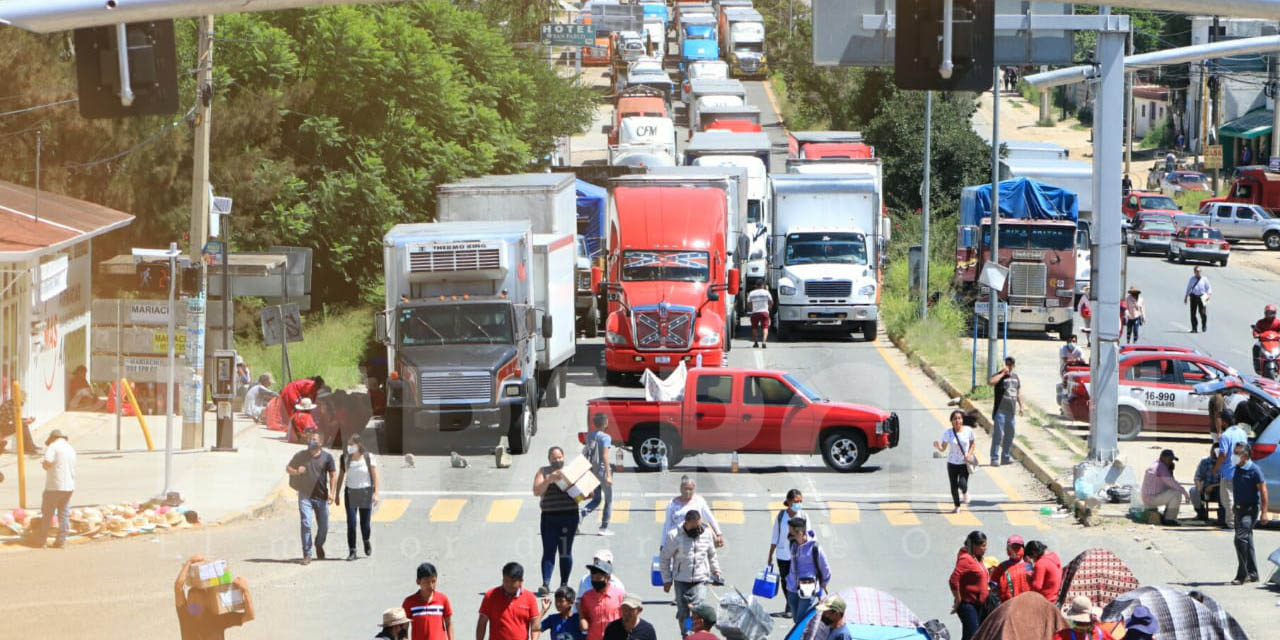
[{"x": 747, "y": 411}]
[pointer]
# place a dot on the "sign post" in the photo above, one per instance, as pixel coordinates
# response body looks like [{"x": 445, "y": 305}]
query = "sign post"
[{"x": 556, "y": 34}]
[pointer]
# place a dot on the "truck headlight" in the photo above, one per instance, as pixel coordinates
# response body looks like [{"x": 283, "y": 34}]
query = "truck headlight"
[
  {"x": 709, "y": 339},
  {"x": 615, "y": 338},
  {"x": 786, "y": 290},
  {"x": 511, "y": 390},
  {"x": 869, "y": 290}
]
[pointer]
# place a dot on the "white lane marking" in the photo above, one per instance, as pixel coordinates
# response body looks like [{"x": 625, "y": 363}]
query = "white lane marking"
[{"x": 813, "y": 493}]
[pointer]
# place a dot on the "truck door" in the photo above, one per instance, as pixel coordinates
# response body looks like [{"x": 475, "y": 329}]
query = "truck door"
[
  {"x": 1246, "y": 223},
  {"x": 1220, "y": 216},
  {"x": 771, "y": 417},
  {"x": 712, "y": 428}
]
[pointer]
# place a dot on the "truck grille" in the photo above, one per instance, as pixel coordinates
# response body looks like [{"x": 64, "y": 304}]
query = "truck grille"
[
  {"x": 1027, "y": 283},
  {"x": 664, "y": 327},
  {"x": 828, "y": 288},
  {"x": 749, "y": 65},
  {"x": 478, "y": 259},
  {"x": 439, "y": 388}
]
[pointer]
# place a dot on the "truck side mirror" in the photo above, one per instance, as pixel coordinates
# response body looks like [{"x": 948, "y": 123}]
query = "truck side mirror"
[
  {"x": 713, "y": 295},
  {"x": 734, "y": 281},
  {"x": 597, "y": 274},
  {"x": 380, "y": 328},
  {"x": 547, "y": 326}
]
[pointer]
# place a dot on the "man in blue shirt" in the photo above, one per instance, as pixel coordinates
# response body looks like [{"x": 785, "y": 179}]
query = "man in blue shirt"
[
  {"x": 1206, "y": 486},
  {"x": 832, "y": 611},
  {"x": 1250, "y": 511},
  {"x": 1226, "y": 469},
  {"x": 597, "y": 453}
]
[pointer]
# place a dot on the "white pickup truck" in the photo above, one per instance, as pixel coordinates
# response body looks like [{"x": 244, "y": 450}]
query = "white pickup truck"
[{"x": 1237, "y": 221}]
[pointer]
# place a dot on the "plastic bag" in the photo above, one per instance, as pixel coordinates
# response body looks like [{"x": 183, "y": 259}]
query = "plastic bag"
[{"x": 742, "y": 618}]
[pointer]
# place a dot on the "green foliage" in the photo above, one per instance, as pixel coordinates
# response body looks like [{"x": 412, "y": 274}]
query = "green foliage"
[
  {"x": 1160, "y": 136},
  {"x": 334, "y": 345},
  {"x": 1190, "y": 200},
  {"x": 1085, "y": 115}
]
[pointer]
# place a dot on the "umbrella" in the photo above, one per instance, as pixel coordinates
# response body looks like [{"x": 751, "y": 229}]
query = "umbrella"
[
  {"x": 1096, "y": 573},
  {"x": 1027, "y": 616},
  {"x": 871, "y": 614},
  {"x": 1180, "y": 615}
]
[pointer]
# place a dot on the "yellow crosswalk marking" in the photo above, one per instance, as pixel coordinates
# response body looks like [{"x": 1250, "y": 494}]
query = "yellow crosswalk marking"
[
  {"x": 390, "y": 509},
  {"x": 621, "y": 511},
  {"x": 899, "y": 514},
  {"x": 1024, "y": 515},
  {"x": 776, "y": 506},
  {"x": 963, "y": 519},
  {"x": 660, "y": 511},
  {"x": 728, "y": 511},
  {"x": 844, "y": 512},
  {"x": 504, "y": 510},
  {"x": 997, "y": 476},
  {"x": 446, "y": 510}
]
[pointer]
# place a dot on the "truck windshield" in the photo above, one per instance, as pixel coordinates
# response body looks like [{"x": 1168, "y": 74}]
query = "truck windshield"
[
  {"x": 455, "y": 324},
  {"x": 1156, "y": 202},
  {"x": 683, "y": 266},
  {"x": 748, "y": 47},
  {"x": 1031, "y": 237},
  {"x": 813, "y": 248},
  {"x": 753, "y": 211},
  {"x": 800, "y": 386}
]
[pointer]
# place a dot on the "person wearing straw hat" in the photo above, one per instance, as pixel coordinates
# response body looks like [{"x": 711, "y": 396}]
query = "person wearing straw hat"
[
  {"x": 59, "y": 482},
  {"x": 1083, "y": 618},
  {"x": 1135, "y": 314},
  {"x": 197, "y": 608},
  {"x": 630, "y": 626},
  {"x": 302, "y": 422},
  {"x": 395, "y": 625}
]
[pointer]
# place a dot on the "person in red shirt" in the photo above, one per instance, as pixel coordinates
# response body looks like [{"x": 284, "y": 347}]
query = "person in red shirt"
[
  {"x": 601, "y": 604},
  {"x": 1013, "y": 576},
  {"x": 969, "y": 583},
  {"x": 703, "y": 616},
  {"x": 509, "y": 612},
  {"x": 1046, "y": 577},
  {"x": 1083, "y": 617},
  {"x": 295, "y": 391},
  {"x": 302, "y": 423},
  {"x": 1269, "y": 321},
  {"x": 429, "y": 611}
]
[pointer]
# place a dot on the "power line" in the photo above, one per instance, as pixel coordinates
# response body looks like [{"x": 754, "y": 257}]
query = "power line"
[{"x": 38, "y": 107}]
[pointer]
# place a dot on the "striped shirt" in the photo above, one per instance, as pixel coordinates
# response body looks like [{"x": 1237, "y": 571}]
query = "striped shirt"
[{"x": 428, "y": 616}]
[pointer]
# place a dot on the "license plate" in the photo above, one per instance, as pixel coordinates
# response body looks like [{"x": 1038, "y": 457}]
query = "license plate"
[{"x": 662, "y": 359}]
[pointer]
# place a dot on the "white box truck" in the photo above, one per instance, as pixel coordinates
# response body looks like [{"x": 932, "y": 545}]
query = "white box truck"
[
  {"x": 824, "y": 268},
  {"x": 750, "y": 151}
]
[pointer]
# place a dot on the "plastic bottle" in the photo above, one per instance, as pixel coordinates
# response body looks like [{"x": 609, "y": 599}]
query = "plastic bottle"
[{"x": 662, "y": 462}]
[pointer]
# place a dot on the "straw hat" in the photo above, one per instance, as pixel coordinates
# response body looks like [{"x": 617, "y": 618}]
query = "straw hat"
[
  {"x": 174, "y": 519},
  {"x": 118, "y": 527},
  {"x": 1081, "y": 610},
  {"x": 394, "y": 616},
  {"x": 305, "y": 405}
]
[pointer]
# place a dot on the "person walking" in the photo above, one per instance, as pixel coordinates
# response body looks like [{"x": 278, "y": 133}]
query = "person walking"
[
  {"x": 508, "y": 611},
  {"x": 1250, "y": 510},
  {"x": 1206, "y": 487},
  {"x": 761, "y": 303},
  {"x": 59, "y": 483},
  {"x": 198, "y": 617},
  {"x": 600, "y": 605},
  {"x": 810, "y": 572},
  {"x": 1046, "y": 573},
  {"x": 358, "y": 478},
  {"x": 1159, "y": 488},
  {"x": 313, "y": 475},
  {"x": 1126, "y": 185},
  {"x": 968, "y": 583},
  {"x": 1013, "y": 576},
  {"x": 780, "y": 535},
  {"x": 597, "y": 449},
  {"x": 688, "y": 561},
  {"x": 1197, "y": 294},
  {"x": 584, "y": 584},
  {"x": 559, "y": 522},
  {"x": 1008, "y": 405},
  {"x": 630, "y": 626},
  {"x": 958, "y": 443},
  {"x": 395, "y": 625},
  {"x": 1226, "y": 468},
  {"x": 1135, "y": 314},
  {"x": 688, "y": 501},
  {"x": 564, "y": 624},
  {"x": 428, "y": 610}
]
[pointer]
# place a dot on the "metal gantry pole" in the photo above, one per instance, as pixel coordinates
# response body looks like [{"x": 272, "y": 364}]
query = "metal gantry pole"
[
  {"x": 924, "y": 206},
  {"x": 1273, "y": 81},
  {"x": 173, "y": 365},
  {"x": 993, "y": 333}
]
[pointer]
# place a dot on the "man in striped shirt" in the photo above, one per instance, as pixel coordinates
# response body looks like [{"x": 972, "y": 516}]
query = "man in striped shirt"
[{"x": 429, "y": 611}]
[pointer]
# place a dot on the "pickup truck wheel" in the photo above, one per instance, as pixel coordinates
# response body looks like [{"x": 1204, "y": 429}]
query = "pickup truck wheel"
[
  {"x": 648, "y": 447},
  {"x": 613, "y": 378},
  {"x": 393, "y": 431},
  {"x": 592, "y": 328},
  {"x": 520, "y": 431},
  {"x": 1128, "y": 423},
  {"x": 1223, "y": 262},
  {"x": 845, "y": 450},
  {"x": 1272, "y": 240}
]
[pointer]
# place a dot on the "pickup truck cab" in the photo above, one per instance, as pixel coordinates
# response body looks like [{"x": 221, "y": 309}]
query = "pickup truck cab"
[
  {"x": 1236, "y": 221},
  {"x": 725, "y": 410}
]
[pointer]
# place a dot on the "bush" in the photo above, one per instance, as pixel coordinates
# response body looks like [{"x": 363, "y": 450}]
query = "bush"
[
  {"x": 1160, "y": 136},
  {"x": 1085, "y": 114}
]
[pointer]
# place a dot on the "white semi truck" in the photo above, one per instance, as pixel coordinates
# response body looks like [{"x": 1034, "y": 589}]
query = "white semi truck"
[{"x": 749, "y": 151}]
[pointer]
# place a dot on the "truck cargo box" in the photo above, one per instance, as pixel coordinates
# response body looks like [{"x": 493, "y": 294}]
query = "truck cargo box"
[{"x": 546, "y": 200}]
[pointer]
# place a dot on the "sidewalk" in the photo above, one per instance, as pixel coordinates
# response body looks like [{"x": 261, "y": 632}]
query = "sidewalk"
[{"x": 219, "y": 486}]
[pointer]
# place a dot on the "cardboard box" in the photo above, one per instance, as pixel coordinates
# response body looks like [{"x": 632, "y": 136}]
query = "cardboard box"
[
  {"x": 206, "y": 575},
  {"x": 584, "y": 487},
  {"x": 228, "y": 598},
  {"x": 573, "y": 470}
]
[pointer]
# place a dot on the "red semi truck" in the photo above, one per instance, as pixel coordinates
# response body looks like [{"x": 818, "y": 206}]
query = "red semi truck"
[
  {"x": 1254, "y": 185},
  {"x": 746, "y": 411},
  {"x": 665, "y": 277}
]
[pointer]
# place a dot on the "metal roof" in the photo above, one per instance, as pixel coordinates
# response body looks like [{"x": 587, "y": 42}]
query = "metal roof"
[
  {"x": 63, "y": 221},
  {"x": 513, "y": 181},
  {"x": 728, "y": 140},
  {"x": 1255, "y": 124}
]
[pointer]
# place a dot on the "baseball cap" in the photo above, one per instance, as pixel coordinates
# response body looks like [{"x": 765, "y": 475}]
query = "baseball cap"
[
  {"x": 632, "y": 601},
  {"x": 603, "y": 554},
  {"x": 706, "y": 612},
  {"x": 832, "y": 603},
  {"x": 1168, "y": 453},
  {"x": 603, "y": 566},
  {"x": 1017, "y": 540}
]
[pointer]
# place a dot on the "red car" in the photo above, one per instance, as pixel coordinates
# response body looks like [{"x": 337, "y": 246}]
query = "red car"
[
  {"x": 1155, "y": 392},
  {"x": 746, "y": 411}
]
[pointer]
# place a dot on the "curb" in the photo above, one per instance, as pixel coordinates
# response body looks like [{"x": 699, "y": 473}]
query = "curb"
[
  {"x": 261, "y": 508},
  {"x": 1031, "y": 462}
]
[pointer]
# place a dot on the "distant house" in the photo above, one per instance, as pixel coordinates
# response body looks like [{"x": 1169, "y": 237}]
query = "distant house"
[{"x": 1150, "y": 108}]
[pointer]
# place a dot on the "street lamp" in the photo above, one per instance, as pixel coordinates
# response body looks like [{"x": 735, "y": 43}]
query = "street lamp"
[{"x": 172, "y": 254}]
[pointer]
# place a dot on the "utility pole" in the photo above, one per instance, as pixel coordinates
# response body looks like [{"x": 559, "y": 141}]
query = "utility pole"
[
  {"x": 1273, "y": 84},
  {"x": 1044, "y": 100},
  {"x": 193, "y": 414},
  {"x": 993, "y": 311},
  {"x": 1217, "y": 108},
  {"x": 924, "y": 206},
  {"x": 1128, "y": 113}
]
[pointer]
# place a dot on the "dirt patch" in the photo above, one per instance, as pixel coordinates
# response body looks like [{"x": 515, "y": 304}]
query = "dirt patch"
[{"x": 1018, "y": 121}]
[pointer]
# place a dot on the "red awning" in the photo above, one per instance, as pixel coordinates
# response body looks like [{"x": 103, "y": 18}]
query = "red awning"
[{"x": 63, "y": 221}]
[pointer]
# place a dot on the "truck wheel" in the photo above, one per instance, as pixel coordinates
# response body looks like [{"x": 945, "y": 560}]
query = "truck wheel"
[
  {"x": 869, "y": 330},
  {"x": 1128, "y": 423},
  {"x": 1272, "y": 240},
  {"x": 521, "y": 429},
  {"x": 592, "y": 323},
  {"x": 845, "y": 450},
  {"x": 649, "y": 445},
  {"x": 393, "y": 431},
  {"x": 548, "y": 388}
]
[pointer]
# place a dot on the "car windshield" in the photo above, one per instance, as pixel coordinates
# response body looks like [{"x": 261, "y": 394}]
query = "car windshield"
[
  {"x": 683, "y": 266},
  {"x": 838, "y": 248},
  {"x": 1156, "y": 202},
  {"x": 455, "y": 324},
  {"x": 1204, "y": 233},
  {"x": 1014, "y": 236},
  {"x": 1262, "y": 213},
  {"x": 804, "y": 390}
]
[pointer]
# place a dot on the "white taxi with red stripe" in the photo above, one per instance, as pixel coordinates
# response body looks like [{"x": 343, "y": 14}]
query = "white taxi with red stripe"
[{"x": 1201, "y": 243}]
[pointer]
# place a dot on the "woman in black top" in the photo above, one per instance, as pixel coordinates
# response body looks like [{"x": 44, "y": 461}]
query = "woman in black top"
[{"x": 559, "y": 520}]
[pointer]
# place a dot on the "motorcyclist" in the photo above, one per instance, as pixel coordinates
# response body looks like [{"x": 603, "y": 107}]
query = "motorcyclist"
[{"x": 1269, "y": 322}]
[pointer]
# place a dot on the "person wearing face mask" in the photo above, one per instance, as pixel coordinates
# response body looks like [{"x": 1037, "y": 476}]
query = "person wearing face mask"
[
  {"x": 1226, "y": 469},
  {"x": 359, "y": 470},
  {"x": 1160, "y": 488},
  {"x": 832, "y": 610},
  {"x": 688, "y": 561},
  {"x": 600, "y": 605},
  {"x": 1013, "y": 576},
  {"x": 1250, "y": 510},
  {"x": 559, "y": 520},
  {"x": 780, "y": 539},
  {"x": 584, "y": 585},
  {"x": 684, "y": 503},
  {"x": 313, "y": 475}
]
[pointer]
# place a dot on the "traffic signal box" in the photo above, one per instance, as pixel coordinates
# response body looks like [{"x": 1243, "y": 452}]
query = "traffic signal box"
[
  {"x": 918, "y": 45},
  {"x": 153, "y": 70}
]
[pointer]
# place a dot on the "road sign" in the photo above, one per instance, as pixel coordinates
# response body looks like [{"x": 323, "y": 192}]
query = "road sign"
[
  {"x": 1213, "y": 156},
  {"x": 568, "y": 35},
  {"x": 981, "y": 307},
  {"x": 281, "y": 324},
  {"x": 160, "y": 342}
]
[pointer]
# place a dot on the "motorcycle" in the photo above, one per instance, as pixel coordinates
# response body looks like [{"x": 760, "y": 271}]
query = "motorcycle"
[{"x": 1266, "y": 354}]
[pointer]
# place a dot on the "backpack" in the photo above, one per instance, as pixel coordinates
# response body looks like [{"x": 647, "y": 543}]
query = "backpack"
[
  {"x": 593, "y": 452},
  {"x": 795, "y": 565}
]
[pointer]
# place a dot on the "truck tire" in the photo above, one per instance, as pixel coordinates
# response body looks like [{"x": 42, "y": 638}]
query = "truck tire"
[
  {"x": 591, "y": 326},
  {"x": 648, "y": 445},
  {"x": 1272, "y": 240},
  {"x": 521, "y": 429},
  {"x": 869, "y": 330},
  {"x": 613, "y": 378},
  {"x": 392, "y": 442},
  {"x": 845, "y": 450},
  {"x": 1128, "y": 423}
]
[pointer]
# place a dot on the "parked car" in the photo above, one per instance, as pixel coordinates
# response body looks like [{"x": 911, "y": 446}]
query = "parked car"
[
  {"x": 1127, "y": 349},
  {"x": 1263, "y": 414},
  {"x": 1180, "y": 181},
  {"x": 746, "y": 411},
  {"x": 1236, "y": 222},
  {"x": 1149, "y": 233},
  {"x": 1200, "y": 243}
]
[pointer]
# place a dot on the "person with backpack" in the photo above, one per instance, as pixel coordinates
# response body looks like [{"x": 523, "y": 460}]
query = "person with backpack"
[
  {"x": 780, "y": 539},
  {"x": 809, "y": 572},
  {"x": 597, "y": 452},
  {"x": 358, "y": 477}
]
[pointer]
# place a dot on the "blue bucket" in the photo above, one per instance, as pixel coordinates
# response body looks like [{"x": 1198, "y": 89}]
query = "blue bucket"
[{"x": 655, "y": 572}]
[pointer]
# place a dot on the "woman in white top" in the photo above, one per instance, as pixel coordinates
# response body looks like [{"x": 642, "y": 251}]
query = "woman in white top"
[
  {"x": 359, "y": 471},
  {"x": 958, "y": 443},
  {"x": 1135, "y": 314},
  {"x": 684, "y": 503}
]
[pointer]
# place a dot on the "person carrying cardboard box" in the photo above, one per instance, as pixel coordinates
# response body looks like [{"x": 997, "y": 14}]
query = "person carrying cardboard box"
[{"x": 205, "y": 609}]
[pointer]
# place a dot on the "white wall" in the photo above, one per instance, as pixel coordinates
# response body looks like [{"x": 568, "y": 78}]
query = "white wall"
[{"x": 50, "y": 324}]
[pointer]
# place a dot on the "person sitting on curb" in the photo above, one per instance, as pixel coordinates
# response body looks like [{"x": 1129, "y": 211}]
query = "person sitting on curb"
[
  {"x": 1083, "y": 617},
  {"x": 1206, "y": 489},
  {"x": 1159, "y": 488},
  {"x": 198, "y": 618},
  {"x": 395, "y": 625}
]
